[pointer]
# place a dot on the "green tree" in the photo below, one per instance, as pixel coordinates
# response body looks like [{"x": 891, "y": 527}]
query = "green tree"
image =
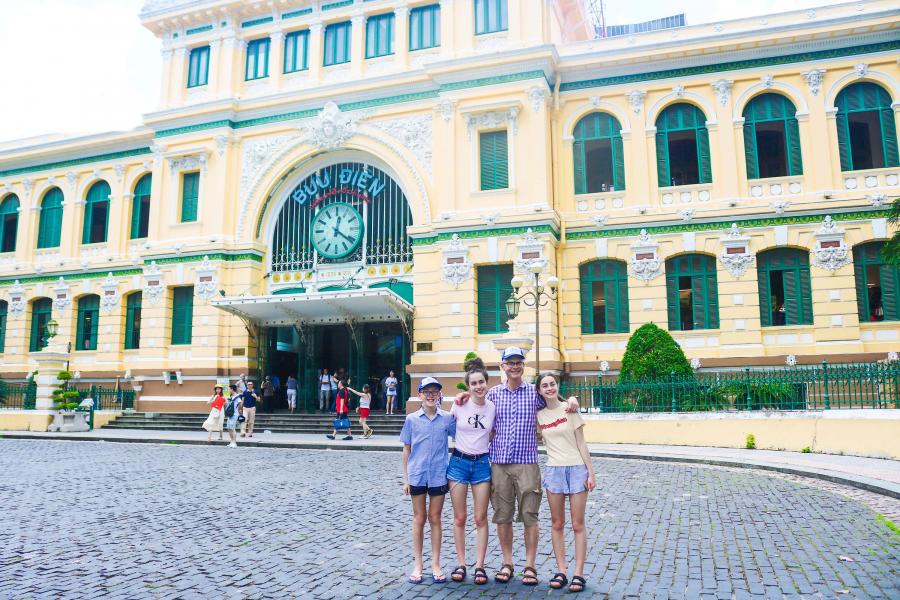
[
  {"x": 65, "y": 398},
  {"x": 652, "y": 354},
  {"x": 891, "y": 250}
]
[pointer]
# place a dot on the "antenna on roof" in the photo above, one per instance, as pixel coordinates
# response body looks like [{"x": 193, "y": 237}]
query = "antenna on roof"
[{"x": 596, "y": 12}]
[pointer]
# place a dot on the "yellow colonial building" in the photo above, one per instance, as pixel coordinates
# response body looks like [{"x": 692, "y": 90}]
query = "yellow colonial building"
[{"x": 353, "y": 184}]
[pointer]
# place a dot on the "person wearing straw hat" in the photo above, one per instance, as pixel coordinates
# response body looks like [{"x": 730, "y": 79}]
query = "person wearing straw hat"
[{"x": 216, "y": 419}]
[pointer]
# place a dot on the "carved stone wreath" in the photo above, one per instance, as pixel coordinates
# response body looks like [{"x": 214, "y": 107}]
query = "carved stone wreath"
[
  {"x": 61, "y": 297},
  {"x": 207, "y": 283},
  {"x": 331, "y": 128},
  {"x": 456, "y": 268},
  {"x": 153, "y": 284},
  {"x": 109, "y": 299},
  {"x": 647, "y": 268}
]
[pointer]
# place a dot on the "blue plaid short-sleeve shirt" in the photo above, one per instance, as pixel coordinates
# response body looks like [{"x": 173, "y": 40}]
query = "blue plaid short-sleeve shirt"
[{"x": 515, "y": 429}]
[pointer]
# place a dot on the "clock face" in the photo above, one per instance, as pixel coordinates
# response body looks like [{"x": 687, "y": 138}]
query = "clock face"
[{"x": 337, "y": 230}]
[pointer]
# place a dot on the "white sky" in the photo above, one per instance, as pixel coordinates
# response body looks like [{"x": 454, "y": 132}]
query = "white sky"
[{"x": 88, "y": 66}]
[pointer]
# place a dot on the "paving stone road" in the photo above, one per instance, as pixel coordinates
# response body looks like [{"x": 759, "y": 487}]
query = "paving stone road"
[{"x": 103, "y": 520}]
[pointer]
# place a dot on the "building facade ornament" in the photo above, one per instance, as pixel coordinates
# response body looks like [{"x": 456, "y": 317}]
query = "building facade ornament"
[
  {"x": 813, "y": 79},
  {"x": 191, "y": 162},
  {"x": 877, "y": 200},
  {"x": 831, "y": 252},
  {"x": 61, "y": 298},
  {"x": 331, "y": 128},
  {"x": 604, "y": 366},
  {"x": 636, "y": 100},
  {"x": 767, "y": 81},
  {"x": 456, "y": 267},
  {"x": 109, "y": 299},
  {"x": 687, "y": 214},
  {"x": 17, "y": 300},
  {"x": 255, "y": 157},
  {"x": 530, "y": 253},
  {"x": 645, "y": 263},
  {"x": 790, "y": 360},
  {"x": 72, "y": 179},
  {"x": 495, "y": 118},
  {"x": 695, "y": 363},
  {"x": 861, "y": 69},
  {"x": 446, "y": 108},
  {"x": 222, "y": 142},
  {"x": 736, "y": 256},
  {"x": 599, "y": 220},
  {"x": 779, "y": 206},
  {"x": 538, "y": 96},
  {"x": 154, "y": 287},
  {"x": 678, "y": 90},
  {"x": 722, "y": 88},
  {"x": 414, "y": 132},
  {"x": 207, "y": 282},
  {"x": 119, "y": 170}
]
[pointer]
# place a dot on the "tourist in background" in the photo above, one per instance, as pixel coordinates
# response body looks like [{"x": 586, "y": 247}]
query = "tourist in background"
[
  {"x": 342, "y": 410},
  {"x": 268, "y": 393},
  {"x": 232, "y": 413},
  {"x": 249, "y": 400},
  {"x": 241, "y": 383},
  {"x": 216, "y": 418},
  {"x": 365, "y": 401},
  {"x": 390, "y": 387},
  {"x": 291, "y": 390},
  {"x": 325, "y": 380}
]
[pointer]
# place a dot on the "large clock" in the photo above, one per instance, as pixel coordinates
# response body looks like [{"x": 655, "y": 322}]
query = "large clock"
[{"x": 337, "y": 230}]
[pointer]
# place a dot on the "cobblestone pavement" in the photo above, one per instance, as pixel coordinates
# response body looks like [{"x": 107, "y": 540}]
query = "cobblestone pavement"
[{"x": 100, "y": 520}]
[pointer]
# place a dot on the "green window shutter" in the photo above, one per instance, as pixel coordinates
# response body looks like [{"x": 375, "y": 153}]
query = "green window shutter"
[
  {"x": 140, "y": 207},
  {"x": 50, "y": 224},
  {"x": 40, "y": 315},
  {"x": 494, "y": 289},
  {"x": 580, "y": 175},
  {"x": 337, "y": 43},
  {"x": 623, "y": 319},
  {"x": 494, "y": 160},
  {"x": 805, "y": 296},
  {"x": 587, "y": 299},
  {"x": 704, "y": 162},
  {"x": 296, "y": 51},
  {"x": 9, "y": 223},
  {"x": 87, "y": 323},
  {"x": 257, "y": 66},
  {"x": 618, "y": 152},
  {"x": 889, "y": 137},
  {"x": 792, "y": 301},
  {"x": 198, "y": 67},
  {"x": 380, "y": 35},
  {"x": 662, "y": 159},
  {"x": 672, "y": 305},
  {"x": 750, "y": 157},
  {"x": 712, "y": 296},
  {"x": 96, "y": 210},
  {"x": 133, "y": 321},
  {"x": 765, "y": 292},
  {"x": 795, "y": 156},
  {"x": 843, "y": 133},
  {"x": 424, "y": 27},
  {"x": 890, "y": 287},
  {"x": 182, "y": 314},
  {"x": 190, "y": 192},
  {"x": 859, "y": 279},
  {"x": 3, "y": 310}
]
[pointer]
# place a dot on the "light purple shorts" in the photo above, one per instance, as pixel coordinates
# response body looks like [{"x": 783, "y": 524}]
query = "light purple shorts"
[{"x": 566, "y": 480}]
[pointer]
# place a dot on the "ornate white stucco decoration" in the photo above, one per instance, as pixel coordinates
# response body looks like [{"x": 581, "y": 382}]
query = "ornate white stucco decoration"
[
  {"x": 119, "y": 170},
  {"x": 779, "y": 206},
  {"x": 27, "y": 185},
  {"x": 861, "y": 69},
  {"x": 678, "y": 90},
  {"x": 153, "y": 284},
  {"x": 191, "y": 162},
  {"x": 722, "y": 88},
  {"x": 413, "y": 132},
  {"x": 61, "y": 297},
  {"x": 158, "y": 150},
  {"x": 256, "y": 155},
  {"x": 17, "y": 300},
  {"x": 687, "y": 214},
  {"x": 791, "y": 360},
  {"x": 695, "y": 363},
  {"x": 736, "y": 255},
  {"x": 492, "y": 119},
  {"x": 109, "y": 299},
  {"x": 892, "y": 356},
  {"x": 530, "y": 253},
  {"x": 636, "y": 100},
  {"x": 767, "y": 81},
  {"x": 456, "y": 267},
  {"x": 604, "y": 366},
  {"x": 645, "y": 264},
  {"x": 446, "y": 108},
  {"x": 831, "y": 252},
  {"x": 813, "y": 79},
  {"x": 877, "y": 200},
  {"x": 222, "y": 142},
  {"x": 538, "y": 96},
  {"x": 207, "y": 282},
  {"x": 599, "y": 220},
  {"x": 72, "y": 179},
  {"x": 331, "y": 128}
]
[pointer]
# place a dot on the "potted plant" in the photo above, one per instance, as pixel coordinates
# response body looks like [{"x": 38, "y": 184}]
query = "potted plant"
[{"x": 66, "y": 400}]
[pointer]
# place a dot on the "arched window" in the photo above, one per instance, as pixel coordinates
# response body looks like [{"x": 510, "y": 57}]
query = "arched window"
[
  {"x": 682, "y": 146},
  {"x": 140, "y": 208},
  {"x": 692, "y": 292},
  {"x": 88, "y": 319},
  {"x": 604, "y": 297},
  {"x": 9, "y": 223},
  {"x": 785, "y": 297},
  {"x": 50, "y": 225},
  {"x": 867, "y": 136},
  {"x": 40, "y": 315},
  {"x": 133, "y": 321},
  {"x": 771, "y": 137},
  {"x": 3, "y": 308},
  {"x": 877, "y": 284},
  {"x": 599, "y": 157},
  {"x": 96, "y": 214}
]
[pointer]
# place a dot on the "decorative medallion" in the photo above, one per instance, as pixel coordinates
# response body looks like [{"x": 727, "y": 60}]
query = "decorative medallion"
[
  {"x": 722, "y": 88},
  {"x": 636, "y": 100},
  {"x": 813, "y": 79},
  {"x": 17, "y": 300},
  {"x": 61, "y": 298},
  {"x": 736, "y": 255},
  {"x": 207, "y": 283},
  {"x": 109, "y": 299},
  {"x": 538, "y": 97},
  {"x": 331, "y": 128},
  {"x": 456, "y": 267},
  {"x": 831, "y": 252},
  {"x": 645, "y": 263},
  {"x": 153, "y": 284}
]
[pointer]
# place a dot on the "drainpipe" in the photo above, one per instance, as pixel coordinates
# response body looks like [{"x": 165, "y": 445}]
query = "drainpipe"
[{"x": 554, "y": 149}]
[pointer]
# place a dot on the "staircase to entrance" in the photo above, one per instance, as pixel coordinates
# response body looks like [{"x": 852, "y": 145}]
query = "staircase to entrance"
[{"x": 275, "y": 422}]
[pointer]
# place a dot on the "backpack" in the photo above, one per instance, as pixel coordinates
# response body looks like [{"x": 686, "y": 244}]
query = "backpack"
[{"x": 229, "y": 409}]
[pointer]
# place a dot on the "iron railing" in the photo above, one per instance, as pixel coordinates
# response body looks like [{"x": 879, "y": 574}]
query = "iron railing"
[
  {"x": 106, "y": 398},
  {"x": 812, "y": 387},
  {"x": 17, "y": 395}
]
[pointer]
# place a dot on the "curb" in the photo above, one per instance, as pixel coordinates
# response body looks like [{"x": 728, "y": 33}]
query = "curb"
[{"x": 884, "y": 488}]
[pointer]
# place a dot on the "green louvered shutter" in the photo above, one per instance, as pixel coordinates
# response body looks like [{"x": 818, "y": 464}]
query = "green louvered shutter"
[
  {"x": 493, "y": 290},
  {"x": 580, "y": 175},
  {"x": 804, "y": 290},
  {"x": 890, "y": 286},
  {"x": 765, "y": 292},
  {"x": 587, "y": 298},
  {"x": 494, "y": 160},
  {"x": 3, "y": 308},
  {"x": 672, "y": 302},
  {"x": 662, "y": 160},
  {"x": 704, "y": 289},
  {"x": 140, "y": 207},
  {"x": 795, "y": 156},
  {"x": 859, "y": 278},
  {"x": 750, "y": 156},
  {"x": 843, "y": 133},
  {"x": 40, "y": 315},
  {"x": 50, "y": 224},
  {"x": 618, "y": 151},
  {"x": 190, "y": 192},
  {"x": 86, "y": 326},
  {"x": 623, "y": 320},
  {"x": 182, "y": 314},
  {"x": 889, "y": 137},
  {"x": 133, "y": 321},
  {"x": 792, "y": 301},
  {"x": 704, "y": 164}
]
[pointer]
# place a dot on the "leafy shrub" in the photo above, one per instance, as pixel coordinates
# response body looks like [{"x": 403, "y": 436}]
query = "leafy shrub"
[
  {"x": 751, "y": 442},
  {"x": 806, "y": 450},
  {"x": 461, "y": 386},
  {"x": 652, "y": 354},
  {"x": 63, "y": 397}
]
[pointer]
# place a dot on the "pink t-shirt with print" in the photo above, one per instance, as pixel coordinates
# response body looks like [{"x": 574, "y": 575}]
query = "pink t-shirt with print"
[{"x": 473, "y": 426}]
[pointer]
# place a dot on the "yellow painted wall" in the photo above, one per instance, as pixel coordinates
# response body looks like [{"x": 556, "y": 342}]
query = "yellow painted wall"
[{"x": 24, "y": 420}]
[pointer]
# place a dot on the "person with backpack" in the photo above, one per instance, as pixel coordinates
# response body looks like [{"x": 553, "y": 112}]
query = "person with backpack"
[{"x": 232, "y": 412}]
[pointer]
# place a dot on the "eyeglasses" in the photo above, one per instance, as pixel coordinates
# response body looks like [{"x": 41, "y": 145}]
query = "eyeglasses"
[
  {"x": 431, "y": 393},
  {"x": 515, "y": 364}
]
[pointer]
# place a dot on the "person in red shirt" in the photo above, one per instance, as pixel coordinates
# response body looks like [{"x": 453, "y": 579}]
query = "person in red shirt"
[
  {"x": 341, "y": 408},
  {"x": 216, "y": 419}
]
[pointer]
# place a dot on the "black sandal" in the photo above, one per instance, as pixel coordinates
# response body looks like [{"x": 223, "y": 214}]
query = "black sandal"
[
  {"x": 458, "y": 574},
  {"x": 559, "y": 581},
  {"x": 504, "y": 576},
  {"x": 577, "y": 580},
  {"x": 481, "y": 577},
  {"x": 532, "y": 578}
]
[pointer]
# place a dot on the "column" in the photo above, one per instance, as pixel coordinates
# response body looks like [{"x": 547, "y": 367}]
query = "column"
[
  {"x": 166, "y": 79},
  {"x": 276, "y": 59},
  {"x": 316, "y": 45},
  {"x": 179, "y": 78},
  {"x": 226, "y": 65},
  {"x": 215, "y": 49},
  {"x": 357, "y": 43},
  {"x": 401, "y": 37},
  {"x": 72, "y": 218},
  {"x": 448, "y": 43}
]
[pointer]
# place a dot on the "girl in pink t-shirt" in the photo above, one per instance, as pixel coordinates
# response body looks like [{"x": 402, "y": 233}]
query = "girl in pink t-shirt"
[{"x": 470, "y": 465}]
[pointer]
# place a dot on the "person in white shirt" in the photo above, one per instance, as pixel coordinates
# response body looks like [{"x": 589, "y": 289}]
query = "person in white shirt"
[
  {"x": 390, "y": 387},
  {"x": 365, "y": 401},
  {"x": 325, "y": 380}
]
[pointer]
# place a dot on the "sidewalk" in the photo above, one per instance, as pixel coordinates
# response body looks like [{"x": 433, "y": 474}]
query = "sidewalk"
[{"x": 873, "y": 474}]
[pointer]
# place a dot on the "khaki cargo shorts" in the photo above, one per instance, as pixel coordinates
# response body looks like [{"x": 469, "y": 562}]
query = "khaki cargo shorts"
[{"x": 512, "y": 484}]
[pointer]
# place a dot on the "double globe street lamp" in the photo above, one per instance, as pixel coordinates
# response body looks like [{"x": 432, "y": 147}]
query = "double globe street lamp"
[{"x": 538, "y": 293}]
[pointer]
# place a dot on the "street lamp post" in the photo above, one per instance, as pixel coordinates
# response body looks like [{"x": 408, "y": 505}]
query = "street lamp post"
[{"x": 537, "y": 296}]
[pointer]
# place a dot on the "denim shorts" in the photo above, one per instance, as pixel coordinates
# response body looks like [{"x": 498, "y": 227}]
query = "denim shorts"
[
  {"x": 468, "y": 471},
  {"x": 566, "y": 480}
]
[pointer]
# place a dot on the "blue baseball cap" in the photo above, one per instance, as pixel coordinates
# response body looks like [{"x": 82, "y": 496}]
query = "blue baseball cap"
[
  {"x": 429, "y": 381},
  {"x": 511, "y": 352}
]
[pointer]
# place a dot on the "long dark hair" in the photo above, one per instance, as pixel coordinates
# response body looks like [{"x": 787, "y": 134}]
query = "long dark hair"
[
  {"x": 541, "y": 377},
  {"x": 475, "y": 365}
]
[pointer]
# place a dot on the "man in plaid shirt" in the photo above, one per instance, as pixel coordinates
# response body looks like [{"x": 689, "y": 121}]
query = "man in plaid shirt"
[{"x": 515, "y": 475}]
